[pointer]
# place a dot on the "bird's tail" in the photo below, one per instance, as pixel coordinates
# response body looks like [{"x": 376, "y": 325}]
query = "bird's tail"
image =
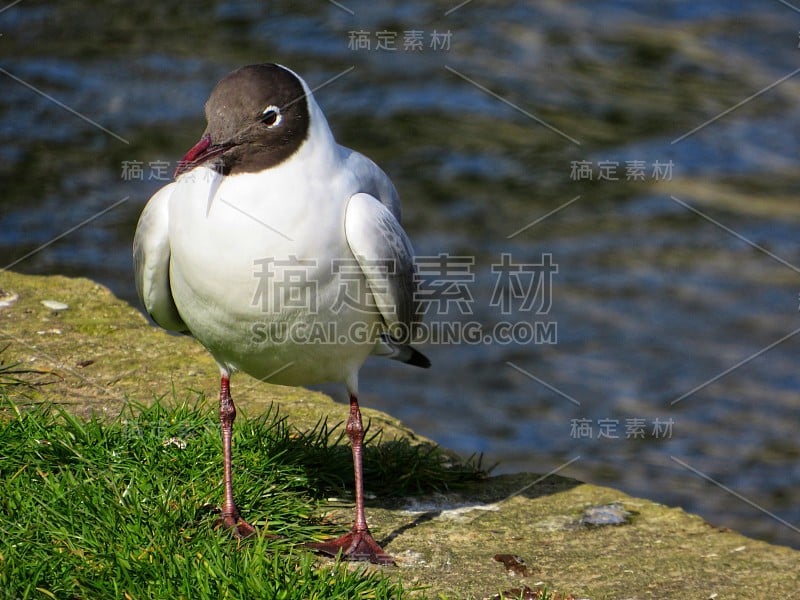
[{"x": 391, "y": 348}]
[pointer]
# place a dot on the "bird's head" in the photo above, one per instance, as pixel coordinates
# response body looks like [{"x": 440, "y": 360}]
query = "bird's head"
[{"x": 258, "y": 116}]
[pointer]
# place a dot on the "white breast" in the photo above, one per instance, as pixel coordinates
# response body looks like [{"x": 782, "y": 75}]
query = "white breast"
[{"x": 239, "y": 244}]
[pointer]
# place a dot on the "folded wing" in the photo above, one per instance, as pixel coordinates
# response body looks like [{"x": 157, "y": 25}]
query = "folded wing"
[
  {"x": 151, "y": 254},
  {"x": 384, "y": 253}
]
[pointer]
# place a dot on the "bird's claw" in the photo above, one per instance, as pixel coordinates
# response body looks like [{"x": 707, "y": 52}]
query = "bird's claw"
[
  {"x": 238, "y": 527},
  {"x": 355, "y": 546}
]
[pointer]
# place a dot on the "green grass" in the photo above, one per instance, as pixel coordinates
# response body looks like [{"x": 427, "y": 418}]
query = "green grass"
[{"x": 125, "y": 509}]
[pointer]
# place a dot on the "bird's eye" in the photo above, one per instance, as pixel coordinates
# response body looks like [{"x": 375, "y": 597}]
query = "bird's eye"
[{"x": 271, "y": 116}]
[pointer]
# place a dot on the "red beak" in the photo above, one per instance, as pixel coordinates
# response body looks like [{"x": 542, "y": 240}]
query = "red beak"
[{"x": 201, "y": 152}]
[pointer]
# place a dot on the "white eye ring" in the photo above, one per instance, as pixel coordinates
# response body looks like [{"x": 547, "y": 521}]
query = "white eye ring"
[{"x": 278, "y": 117}]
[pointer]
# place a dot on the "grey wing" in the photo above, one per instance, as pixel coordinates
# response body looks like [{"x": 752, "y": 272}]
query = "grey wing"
[
  {"x": 384, "y": 253},
  {"x": 151, "y": 256},
  {"x": 374, "y": 181}
]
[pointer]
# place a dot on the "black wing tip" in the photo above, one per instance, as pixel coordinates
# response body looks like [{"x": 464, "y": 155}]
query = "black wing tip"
[
  {"x": 418, "y": 359},
  {"x": 405, "y": 352}
]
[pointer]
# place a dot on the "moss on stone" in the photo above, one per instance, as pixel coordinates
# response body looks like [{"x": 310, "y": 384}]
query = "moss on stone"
[{"x": 100, "y": 353}]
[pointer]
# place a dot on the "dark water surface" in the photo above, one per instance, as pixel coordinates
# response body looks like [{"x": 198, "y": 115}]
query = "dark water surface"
[{"x": 678, "y": 261}]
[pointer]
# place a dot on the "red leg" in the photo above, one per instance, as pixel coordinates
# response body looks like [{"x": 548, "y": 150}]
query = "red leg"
[
  {"x": 358, "y": 544},
  {"x": 229, "y": 518}
]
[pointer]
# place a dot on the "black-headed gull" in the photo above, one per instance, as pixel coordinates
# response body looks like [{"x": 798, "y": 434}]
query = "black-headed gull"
[{"x": 282, "y": 253}]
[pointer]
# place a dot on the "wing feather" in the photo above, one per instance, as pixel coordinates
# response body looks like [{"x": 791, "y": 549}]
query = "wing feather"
[
  {"x": 151, "y": 256},
  {"x": 386, "y": 257}
]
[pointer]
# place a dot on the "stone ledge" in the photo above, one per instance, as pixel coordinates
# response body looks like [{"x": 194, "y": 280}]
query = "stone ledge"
[{"x": 100, "y": 353}]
